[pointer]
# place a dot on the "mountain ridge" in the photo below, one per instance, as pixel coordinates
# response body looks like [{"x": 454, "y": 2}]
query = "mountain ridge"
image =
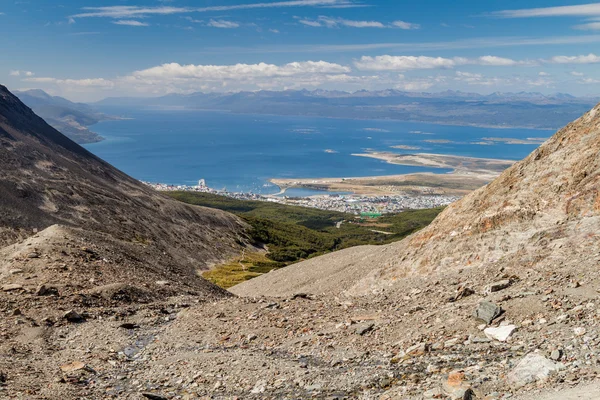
[{"x": 526, "y": 110}]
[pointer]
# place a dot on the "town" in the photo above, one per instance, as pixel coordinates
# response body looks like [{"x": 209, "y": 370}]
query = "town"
[{"x": 353, "y": 204}]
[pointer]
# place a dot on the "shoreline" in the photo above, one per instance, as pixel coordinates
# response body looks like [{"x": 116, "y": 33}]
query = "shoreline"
[{"x": 467, "y": 174}]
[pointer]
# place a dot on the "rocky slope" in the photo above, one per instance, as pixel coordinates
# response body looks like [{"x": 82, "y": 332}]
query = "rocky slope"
[
  {"x": 528, "y": 216},
  {"x": 46, "y": 179}
]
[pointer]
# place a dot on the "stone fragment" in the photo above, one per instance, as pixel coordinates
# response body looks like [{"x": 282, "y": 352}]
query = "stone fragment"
[
  {"x": 301, "y": 296},
  {"x": 532, "y": 368},
  {"x": 501, "y": 333},
  {"x": 74, "y": 366},
  {"x": 73, "y": 316},
  {"x": 153, "y": 396},
  {"x": 33, "y": 255},
  {"x": 11, "y": 287},
  {"x": 44, "y": 290},
  {"x": 456, "y": 387},
  {"x": 15, "y": 271},
  {"x": 417, "y": 349},
  {"x": 556, "y": 355},
  {"x": 128, "y": 325},
  {"x": 434, "y": 393},
  {"x": 162, "y": 283},
  {"x": 461, "y": 293},
  {"x": 259, "y": 387},
  {"x": 497, "y": 286},
  {"x": 487, "y": 311},
  {"x": 579, "y": 331},
  {"x": 362, "y": 329}
]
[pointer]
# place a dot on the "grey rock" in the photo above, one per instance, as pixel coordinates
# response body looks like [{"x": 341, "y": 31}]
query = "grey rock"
[
  {"x": 73, "y": 316},
  {"x": 532, "y": 368},
  {"x": 487, "y": 311},
  {"x": 364, "y": 328},
  {"x": 33, "y": 255},
  {"x": 556, "y": 355},
  {"x": 497, "y": 286}
]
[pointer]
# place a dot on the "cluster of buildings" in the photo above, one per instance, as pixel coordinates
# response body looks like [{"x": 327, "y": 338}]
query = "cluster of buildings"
[
  {"x": 356, "y": 204},
  {"x": 353, "y": 204}
]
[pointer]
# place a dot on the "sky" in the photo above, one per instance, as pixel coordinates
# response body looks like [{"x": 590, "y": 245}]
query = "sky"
[{"x": 87, "y": 50}]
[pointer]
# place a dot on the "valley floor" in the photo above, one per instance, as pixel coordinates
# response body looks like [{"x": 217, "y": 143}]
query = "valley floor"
[{"x": 416, "y": 341}]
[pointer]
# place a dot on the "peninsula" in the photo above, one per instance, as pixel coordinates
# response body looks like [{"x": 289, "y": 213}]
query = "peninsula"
[{"x": 467, "y": 174}]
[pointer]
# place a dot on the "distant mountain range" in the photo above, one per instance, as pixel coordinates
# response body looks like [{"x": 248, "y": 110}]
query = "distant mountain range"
[
  {"x": 72, "y": 119},
  {"x": 524, "y": 109}
]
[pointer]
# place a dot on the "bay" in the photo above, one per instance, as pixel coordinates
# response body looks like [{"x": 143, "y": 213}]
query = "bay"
[{"x": 241, "y": 152}]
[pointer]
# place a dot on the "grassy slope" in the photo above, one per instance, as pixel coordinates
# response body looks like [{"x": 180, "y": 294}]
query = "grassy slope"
[{"x": 292, "y": 233}]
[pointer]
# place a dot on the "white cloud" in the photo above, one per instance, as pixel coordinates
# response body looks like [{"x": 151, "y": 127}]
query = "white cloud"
[
  {"x": 274, "y": 30},
  {"x": 138, "y": 11},
  {"x": 21, "y": 73},
  {"x": 81, "y": 83},
  {"x": 220, "y": 23},
  {"x": 591, "y": 26},
  {"x": 542, "y": 73},
  {"x": 405, "y": 25},
  {"x": 329, "y": 22},
  {"x": 582, "y": 59},
  {"x": 239, "y": 71},
  {"x": 588, "y": 81},
  {"x": 307, "y": 22},
  {"x": 130, "y": 22},
  {"x": 575, "y": 73},
  {"x": 563, "y": 11},
  {"x": 402, "y": 63},
  {"x": 474, "y": 43},
  {"x": 405, "y": 63},
  {"x": 497, "y": 61}
]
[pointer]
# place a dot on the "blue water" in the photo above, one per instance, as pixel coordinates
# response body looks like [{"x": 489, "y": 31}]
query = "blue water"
[{"x": 241, "y": 152}]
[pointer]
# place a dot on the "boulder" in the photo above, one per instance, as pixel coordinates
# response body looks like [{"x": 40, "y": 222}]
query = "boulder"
[
  {"x": 532, "y": 368},
  {"x": 501, "y": 333},
  {"x": 487, "y": 311}
]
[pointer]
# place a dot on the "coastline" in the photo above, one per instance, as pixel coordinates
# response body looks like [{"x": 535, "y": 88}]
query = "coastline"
[{"x": 467, "y": 174}]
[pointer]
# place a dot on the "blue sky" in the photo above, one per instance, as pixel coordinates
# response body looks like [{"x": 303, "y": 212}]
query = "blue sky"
[{"x": 90, "y": 49}]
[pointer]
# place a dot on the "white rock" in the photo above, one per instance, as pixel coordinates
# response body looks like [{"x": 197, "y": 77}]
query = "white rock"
[
  {"x": 532, "y": 368},
  {"x": 501, "y": 334},
  {"x": 260, "y": 387},
  {"x": 579, "y": 331}
]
